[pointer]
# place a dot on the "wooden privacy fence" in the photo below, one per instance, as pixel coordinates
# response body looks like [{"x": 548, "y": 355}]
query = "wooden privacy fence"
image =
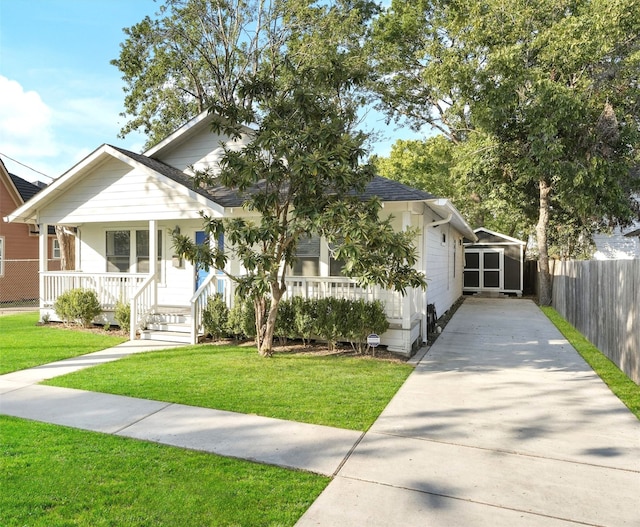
[{"x": 601, "y": 299}]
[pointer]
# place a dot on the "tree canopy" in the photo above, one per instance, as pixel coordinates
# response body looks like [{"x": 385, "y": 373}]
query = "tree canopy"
[
  {"x": 438, "y": 165},
  {"x": 193, "y": 52},
  {"x": 303, "y": 170},
  {"x": 541, "y": 97}
]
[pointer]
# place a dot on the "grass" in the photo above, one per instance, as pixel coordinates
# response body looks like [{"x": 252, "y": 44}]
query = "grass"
[
  {"x": 25, "y": 344},
  {"x": 332, "y": 390},
  {"x": 54, "y": 476},
  {"x": 623, "y": 387}
]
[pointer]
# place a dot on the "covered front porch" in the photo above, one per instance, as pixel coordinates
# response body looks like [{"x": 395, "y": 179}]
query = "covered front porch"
[
  {"x": 150, "y": 318},
  {"x": 167, "y": 295}
]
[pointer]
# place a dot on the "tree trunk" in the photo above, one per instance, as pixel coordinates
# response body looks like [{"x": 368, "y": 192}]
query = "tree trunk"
[
  {"x": 266, "y": 346},
  {"x": 66, "y": 241},
  {"x": 544, "y": 291}
]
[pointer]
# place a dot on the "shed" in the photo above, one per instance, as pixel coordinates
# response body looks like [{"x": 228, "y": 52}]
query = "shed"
[{"x": 495, "y": 263}]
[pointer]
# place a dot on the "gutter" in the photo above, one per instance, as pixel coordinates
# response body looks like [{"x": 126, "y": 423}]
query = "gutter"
[
  {"x": 440, "y": 222},
  {"x": 445, "y": 208}
]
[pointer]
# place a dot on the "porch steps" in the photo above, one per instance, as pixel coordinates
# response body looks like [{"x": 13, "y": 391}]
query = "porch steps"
[
  {"x": 166, "y": 336},
  {"x": 170, "y": 323}
]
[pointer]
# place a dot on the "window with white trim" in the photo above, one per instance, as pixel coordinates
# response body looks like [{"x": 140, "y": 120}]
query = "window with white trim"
[
  {"x": 55, "y": 249},
  {"x": 307, "y": 257},
  {"x": 128, "y": 251}
]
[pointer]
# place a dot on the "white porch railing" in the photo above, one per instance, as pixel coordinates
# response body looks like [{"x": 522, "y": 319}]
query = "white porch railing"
[
  {"x": 142, "y": 303},
  {"x": 213, "y": 284},
  {"x": 110, "y": 287},
  {"x": 338, "y": 287},
  {"x": 140, "y": 292}
]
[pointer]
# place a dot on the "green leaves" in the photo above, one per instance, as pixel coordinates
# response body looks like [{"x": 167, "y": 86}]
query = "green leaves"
[{"x": 550, "y": 89}]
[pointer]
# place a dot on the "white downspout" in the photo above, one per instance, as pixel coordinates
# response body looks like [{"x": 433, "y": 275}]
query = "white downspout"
[{"x": 440, "y": 222}]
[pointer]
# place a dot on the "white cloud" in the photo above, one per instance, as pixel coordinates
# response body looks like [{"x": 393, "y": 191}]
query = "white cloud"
[
  {"x": 52, "y": 137},
  {"x": 25, "y": 122}
]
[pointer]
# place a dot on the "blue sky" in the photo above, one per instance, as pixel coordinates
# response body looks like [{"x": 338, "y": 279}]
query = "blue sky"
[{"x": 60, "y": 99}]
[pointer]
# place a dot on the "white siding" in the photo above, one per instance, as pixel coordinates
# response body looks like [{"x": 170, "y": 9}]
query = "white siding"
[
  {"x": 117, "y": 191},
  {"x": 444, "y": 261},
  {"x": 201, "y": 150}
]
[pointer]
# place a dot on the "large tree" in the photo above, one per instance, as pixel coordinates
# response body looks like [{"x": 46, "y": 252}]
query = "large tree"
[
  {"x": 439, "y": 166},
  {"x": 543, "y": 96},
  {"x": 302, "y": 172},
  {"x": 191, "y": 53}
]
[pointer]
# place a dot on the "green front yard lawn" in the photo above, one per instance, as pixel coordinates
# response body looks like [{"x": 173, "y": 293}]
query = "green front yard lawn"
[
  {"x": 333, "y": 390},
  {"x": 57, "y": 476},
  {"x": 53, "y": 476},
  {"x": 23, "y": 344}
]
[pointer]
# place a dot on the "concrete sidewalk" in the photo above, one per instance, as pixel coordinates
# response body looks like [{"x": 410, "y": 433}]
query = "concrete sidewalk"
[
  {"x": 501, "y": 424},
  {"x": 315, "y": 448}
]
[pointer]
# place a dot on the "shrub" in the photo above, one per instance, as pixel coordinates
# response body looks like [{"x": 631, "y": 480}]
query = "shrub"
[
  {"x": 363, "y": 319},
  {"x": 215, "y": 317},
  {"x": 286, "y": 321},
  {"x": 79, "y": 306},
  {"x": 305, "y": 314},
  {"x": 330, "y": 319},
  {"x": 122, "y": 315},
  {"x": 242, "y": 319}
]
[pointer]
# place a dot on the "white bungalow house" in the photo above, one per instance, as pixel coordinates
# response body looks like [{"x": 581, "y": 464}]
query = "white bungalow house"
[{"x": 114, "y": 198}]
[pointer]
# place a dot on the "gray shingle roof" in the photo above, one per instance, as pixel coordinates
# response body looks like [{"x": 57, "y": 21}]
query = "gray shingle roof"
[
  {"x": 25, "y": 189},
  {"x": 385, "y": 189}
]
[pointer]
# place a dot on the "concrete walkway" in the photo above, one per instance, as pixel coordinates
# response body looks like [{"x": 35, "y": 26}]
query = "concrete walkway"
[
  {"x": 315, "y": 448},
  {"x": 502, "y": 424}
]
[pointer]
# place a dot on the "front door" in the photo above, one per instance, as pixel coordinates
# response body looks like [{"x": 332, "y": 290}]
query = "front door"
[{"x": 201, "y": 273}]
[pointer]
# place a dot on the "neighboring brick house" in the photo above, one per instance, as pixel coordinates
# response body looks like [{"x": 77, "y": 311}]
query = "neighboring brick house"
[{"x": 19, "y": 246}]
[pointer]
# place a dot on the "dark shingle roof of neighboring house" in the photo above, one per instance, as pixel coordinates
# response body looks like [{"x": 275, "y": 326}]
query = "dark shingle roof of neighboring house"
[
  {"x": 385, "y": 189},
  {"x": 25, "y": 189}
]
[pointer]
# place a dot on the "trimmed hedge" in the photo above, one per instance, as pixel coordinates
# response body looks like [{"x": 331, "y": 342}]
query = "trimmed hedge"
[{"x": 328, "y": 319}]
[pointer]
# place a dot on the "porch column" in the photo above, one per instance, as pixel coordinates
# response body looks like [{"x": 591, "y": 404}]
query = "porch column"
[
  {"x": 43, "y": 253},
  {"x": 153, "y": 259}
]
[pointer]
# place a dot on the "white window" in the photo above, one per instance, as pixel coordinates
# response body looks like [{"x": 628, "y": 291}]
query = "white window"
[
  {"x": 128, "y": 251},
  {"x": 118, "y": 252},
  {"x": 307, "y": 257},
  {"x": 1, "y": 256},
  {"x": 55, "y": 249}
]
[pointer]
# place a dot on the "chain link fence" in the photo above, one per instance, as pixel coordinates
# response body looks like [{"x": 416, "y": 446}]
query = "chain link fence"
[{"x": 19, "y": 283}]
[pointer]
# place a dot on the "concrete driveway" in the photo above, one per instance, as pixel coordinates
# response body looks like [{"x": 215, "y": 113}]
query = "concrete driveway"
[{"x": 501, "y": 424}]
